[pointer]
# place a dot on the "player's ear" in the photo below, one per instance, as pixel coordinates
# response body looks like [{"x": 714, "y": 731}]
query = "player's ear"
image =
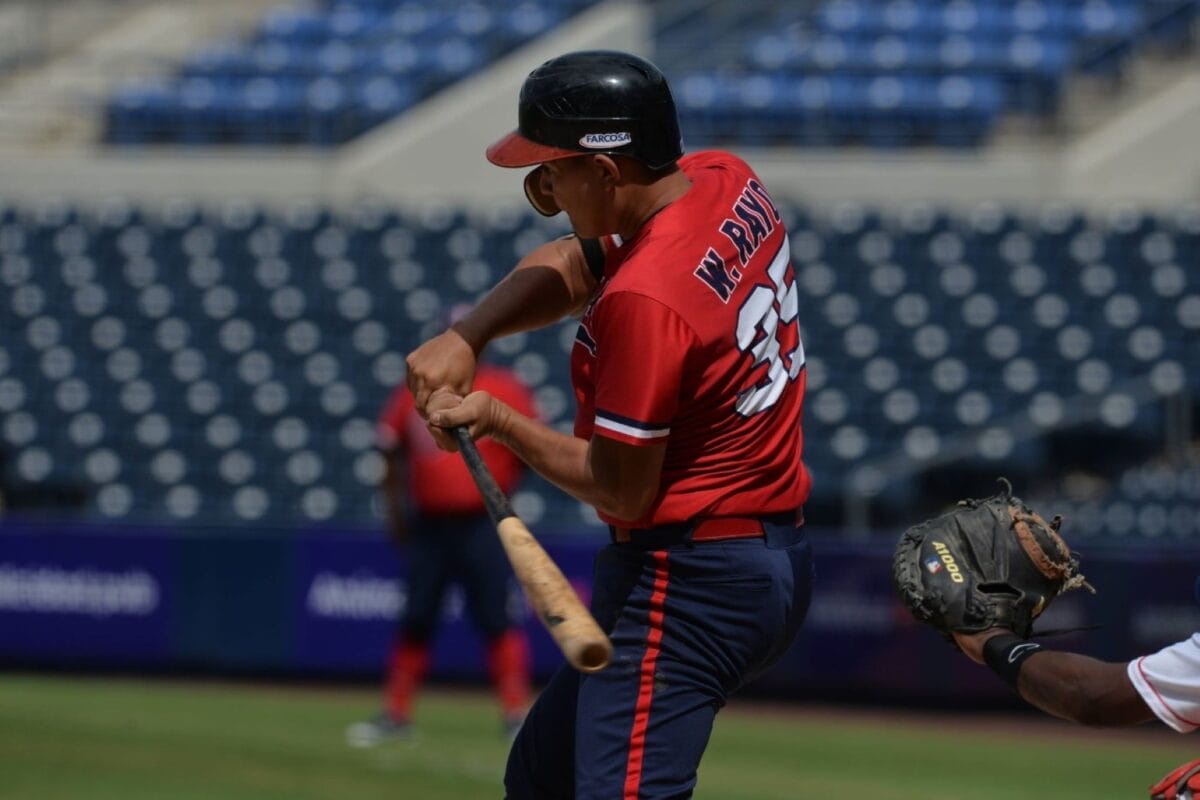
[{"x": 610, "y": 169}]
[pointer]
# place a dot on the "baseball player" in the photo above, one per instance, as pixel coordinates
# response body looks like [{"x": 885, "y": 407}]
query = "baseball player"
[
  {"x": 437, "y": 517},
  {"x": 688, "y": 373}
]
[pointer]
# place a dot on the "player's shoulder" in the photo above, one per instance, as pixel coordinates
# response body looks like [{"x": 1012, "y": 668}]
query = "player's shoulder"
[
  {"x": 664, "y": 297},
  {"x": 1185, "y": 651},
  {"x": 714, "y": 160},
  {"x": 1190, "y": 646}
]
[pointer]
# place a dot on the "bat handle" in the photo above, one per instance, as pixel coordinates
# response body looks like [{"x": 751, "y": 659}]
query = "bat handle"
[
  {"x": 465, "y": 442},
  {"x": 555, "y": 602},
  {"x": 498, "y": 506}
]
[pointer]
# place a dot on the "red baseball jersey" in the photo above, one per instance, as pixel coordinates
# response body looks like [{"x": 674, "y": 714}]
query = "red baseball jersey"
[
  {"x": 693, "y": 339},
  {"x": 439, "y": 483}
]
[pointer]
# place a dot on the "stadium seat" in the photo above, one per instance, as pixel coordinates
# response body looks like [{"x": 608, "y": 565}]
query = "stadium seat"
[
  {"x": 909, "y": 72},
  {"x": 322, "y": 74},
  {"x": 227, "y": 364}
]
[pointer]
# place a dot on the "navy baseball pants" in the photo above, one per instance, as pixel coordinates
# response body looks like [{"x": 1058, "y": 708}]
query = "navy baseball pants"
[
  {"x": 690, "y": 623},
  {"x": 464, "y": 549}
]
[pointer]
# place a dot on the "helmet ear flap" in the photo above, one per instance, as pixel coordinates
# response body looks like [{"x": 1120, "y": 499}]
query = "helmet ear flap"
[{"x": 542, "y": 202}]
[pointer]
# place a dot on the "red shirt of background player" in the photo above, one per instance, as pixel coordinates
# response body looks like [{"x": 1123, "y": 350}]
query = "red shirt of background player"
[{"x": 439, "y": 483}]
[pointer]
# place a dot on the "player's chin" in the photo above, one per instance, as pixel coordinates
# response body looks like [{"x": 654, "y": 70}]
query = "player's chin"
[
  {"x": 583, "y": 231},
  {"x": 584, "y": 228}
]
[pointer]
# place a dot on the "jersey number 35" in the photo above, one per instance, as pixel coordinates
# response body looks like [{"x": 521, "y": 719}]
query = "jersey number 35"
[{"x": 766, "y": 317}]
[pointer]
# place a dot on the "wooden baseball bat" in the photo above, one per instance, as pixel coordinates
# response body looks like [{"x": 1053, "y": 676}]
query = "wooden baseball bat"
[{"x": 574, "y": 629}]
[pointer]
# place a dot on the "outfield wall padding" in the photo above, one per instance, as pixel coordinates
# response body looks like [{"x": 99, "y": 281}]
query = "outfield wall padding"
[{"x": 322, "y": 603}]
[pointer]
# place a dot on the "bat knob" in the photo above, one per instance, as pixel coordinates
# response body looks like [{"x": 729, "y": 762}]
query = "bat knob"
[{"x": 593, "y": 656}]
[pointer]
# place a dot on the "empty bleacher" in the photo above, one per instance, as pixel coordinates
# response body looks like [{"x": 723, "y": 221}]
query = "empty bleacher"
[
  {"x": 1152, "y": 500},
  {"x": 893, "y": 73},
  {"x": 882, "y": 73},
  {"x": 322, "y": 73},
  {"x": 225, "y": 364}
]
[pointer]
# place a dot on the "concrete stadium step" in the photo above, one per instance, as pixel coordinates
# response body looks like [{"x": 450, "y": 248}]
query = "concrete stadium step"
[
  {"x": 1091, "y": 102},
  {"x": 60, "y": 100}
]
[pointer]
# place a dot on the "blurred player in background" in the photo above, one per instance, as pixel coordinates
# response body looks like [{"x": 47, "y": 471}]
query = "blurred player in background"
[
  {"x": 437, "y": 517},
  {"x": 688, "y": 375}
]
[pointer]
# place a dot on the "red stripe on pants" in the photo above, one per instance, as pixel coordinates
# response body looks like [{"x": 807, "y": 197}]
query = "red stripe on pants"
[{"x": 641, "y": 717}]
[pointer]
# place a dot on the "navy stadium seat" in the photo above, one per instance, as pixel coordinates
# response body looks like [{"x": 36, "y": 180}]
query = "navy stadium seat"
[
  {"x": 322, "y": 74},
  {"x": 227, "y": 364},
  {"x": 896, "y": 72}
]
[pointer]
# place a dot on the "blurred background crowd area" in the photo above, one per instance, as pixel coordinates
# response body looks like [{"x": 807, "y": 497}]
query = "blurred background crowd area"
[{"x": 224, "y": 224}]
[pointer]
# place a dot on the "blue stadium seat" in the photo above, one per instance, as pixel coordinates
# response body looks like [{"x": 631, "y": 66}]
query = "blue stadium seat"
[
  {"x": 322, "y": 75},
  {"x": 216, "y": 364},
  {"x": 1022, "y": 51}
]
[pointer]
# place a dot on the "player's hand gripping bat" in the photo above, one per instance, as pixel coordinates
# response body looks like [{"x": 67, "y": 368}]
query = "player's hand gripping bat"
[{"x": 575, "y": 631}]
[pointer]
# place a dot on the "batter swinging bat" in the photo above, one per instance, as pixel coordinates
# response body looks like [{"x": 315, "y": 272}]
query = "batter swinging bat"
[{"x": 574, "y": 630}]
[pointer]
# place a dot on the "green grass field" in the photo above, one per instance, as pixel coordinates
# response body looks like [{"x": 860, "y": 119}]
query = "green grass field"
[{"x": 70, "y": 738}]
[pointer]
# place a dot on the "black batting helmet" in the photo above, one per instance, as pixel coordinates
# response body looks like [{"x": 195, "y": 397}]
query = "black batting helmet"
[{"x": 593, "y": 101}]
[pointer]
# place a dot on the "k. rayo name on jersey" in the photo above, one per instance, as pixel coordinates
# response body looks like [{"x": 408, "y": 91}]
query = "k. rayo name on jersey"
[
  {"x": 599, "y": 141},
  {"x": 754, "y": 218}
]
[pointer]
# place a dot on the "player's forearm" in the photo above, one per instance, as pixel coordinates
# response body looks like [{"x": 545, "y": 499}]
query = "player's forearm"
[
  {"x": 1081, "y": 689},
  {"x": 545, "y": 286},
  {"x": 562, "y": 459}
]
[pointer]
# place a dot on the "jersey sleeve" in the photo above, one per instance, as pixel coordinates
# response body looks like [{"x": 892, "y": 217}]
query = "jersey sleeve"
[
  {"x": 1169, "y": 683},
  {"x": 641, "y": 351},
  {"x": 390, "y": 428}
]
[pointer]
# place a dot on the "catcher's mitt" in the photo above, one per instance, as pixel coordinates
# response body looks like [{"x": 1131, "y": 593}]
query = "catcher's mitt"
[{"x": 986, "y": 563}]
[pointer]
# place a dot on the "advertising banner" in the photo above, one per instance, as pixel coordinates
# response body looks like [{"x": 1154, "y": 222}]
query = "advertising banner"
[
  {"x": 76, "y": 598},
  {"x": 325, "y": 603},
  {"x": 348, "y": 593}
]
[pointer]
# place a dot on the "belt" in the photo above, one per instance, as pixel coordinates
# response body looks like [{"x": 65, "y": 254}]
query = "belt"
[{"x": 707, "y": 529}]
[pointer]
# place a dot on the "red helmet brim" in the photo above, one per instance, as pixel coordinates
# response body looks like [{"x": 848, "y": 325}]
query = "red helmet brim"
[{"x": 514, "y": 150}]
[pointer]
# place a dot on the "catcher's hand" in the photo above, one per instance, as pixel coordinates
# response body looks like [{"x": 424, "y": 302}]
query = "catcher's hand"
[{"x": 985, "y": 564}]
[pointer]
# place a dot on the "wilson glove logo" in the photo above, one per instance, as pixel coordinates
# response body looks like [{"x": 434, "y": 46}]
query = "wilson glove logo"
[
  {"x": 600, "y": 141},
  {"x": 947, "y": 559}
]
